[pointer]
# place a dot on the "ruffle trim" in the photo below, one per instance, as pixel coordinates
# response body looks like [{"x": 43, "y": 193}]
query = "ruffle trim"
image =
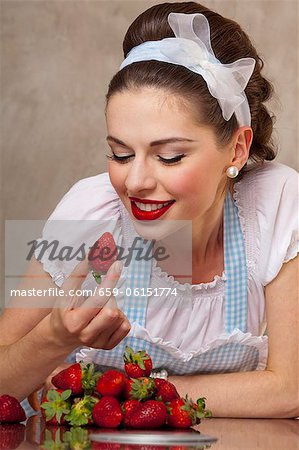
[
  {"x": 236, "y": 337},
  {"x": 50, "y": 267},
  {"x": 244, "y": 198},
  {"x": 217, "y": 281},
  {"x": 293, "y": 248}
]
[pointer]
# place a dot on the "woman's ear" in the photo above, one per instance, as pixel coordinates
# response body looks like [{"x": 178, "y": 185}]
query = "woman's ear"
[{"x": 241, "y": 145}]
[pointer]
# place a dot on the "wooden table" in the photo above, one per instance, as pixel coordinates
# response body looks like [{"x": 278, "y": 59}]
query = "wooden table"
[{"x": 232, "y": 434}]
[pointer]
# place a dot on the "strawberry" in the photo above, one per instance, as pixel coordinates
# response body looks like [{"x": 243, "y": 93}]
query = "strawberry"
[
  {"x": 184, "y": 413},
  {"x": 55, "y": 406},
  {"x": 11, "y": 409},
  {"x": 150, "y": 414},
  {"x": 11, "y": 435},
  {"x": 166, "y": 391},
  {"x": 142, "y": 388},
  {"x": 81, "y": 411},
  {"x": 112, "y": 382},
  {"x": 137, "y": 364},
  {"x": 102, "y": 255},
  {"x": 128, "y": 388},
  {"x": 127, "y": 407},
  {"x": 107, "y": 412},
  {"x": 80, "y": 378}
]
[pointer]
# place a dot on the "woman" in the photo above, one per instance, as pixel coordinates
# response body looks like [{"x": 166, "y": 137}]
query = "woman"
[{"x": 189, "y": 135}]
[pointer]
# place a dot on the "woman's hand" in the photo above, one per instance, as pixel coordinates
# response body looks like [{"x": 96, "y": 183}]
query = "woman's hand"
[{"x": 93, "y": 322}]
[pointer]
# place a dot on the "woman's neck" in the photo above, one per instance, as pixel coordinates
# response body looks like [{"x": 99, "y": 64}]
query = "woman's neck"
[{"x": 198, "y": 253}]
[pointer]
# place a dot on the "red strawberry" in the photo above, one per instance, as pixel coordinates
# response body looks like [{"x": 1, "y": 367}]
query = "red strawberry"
[
  {"x": 150, "y": 414},
  {"x": 55, "y": 406},
  {"x": 81, "y": 411},
  {"x": 184, "y": 413},
  {"x": 107, "y": 412},
  {"x": 142, "y": 388},
  {"x": 165, "y": 390},
  {"x": 127, "y": 407},
  {"x": 128, "y": 388},
  {"x": 137, "y": 364},
  {"x": 11, "y": 435},
  {"x": 112, "y": 382},
  {"x": 11, "y": 410},
  {"x": 78, "y": 377},
  {"x": 102, "y": 255}
]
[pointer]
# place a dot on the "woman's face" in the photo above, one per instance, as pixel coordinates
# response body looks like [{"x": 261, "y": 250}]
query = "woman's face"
[{"x": 162, "y": 156}]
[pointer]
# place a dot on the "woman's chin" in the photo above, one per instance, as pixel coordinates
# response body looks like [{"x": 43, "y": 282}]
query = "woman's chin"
[{"x": 158, "y": 229}]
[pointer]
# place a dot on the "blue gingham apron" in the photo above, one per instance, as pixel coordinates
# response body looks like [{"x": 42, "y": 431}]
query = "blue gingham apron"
[{"x": 229, "y": 357}]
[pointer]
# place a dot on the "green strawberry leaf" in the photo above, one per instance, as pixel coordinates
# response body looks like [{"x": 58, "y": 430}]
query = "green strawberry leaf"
[
  {"x": 52, "y": 395},
  {"x": 66, "y": 394},
  {"x": 97, "y": 277}
]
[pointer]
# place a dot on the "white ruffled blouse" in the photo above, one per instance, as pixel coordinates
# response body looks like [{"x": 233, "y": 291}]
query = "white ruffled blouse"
[{"x": 267, "y": 201}]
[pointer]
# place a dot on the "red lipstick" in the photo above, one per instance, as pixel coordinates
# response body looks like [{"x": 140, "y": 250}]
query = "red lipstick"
[{"x": 148, "y": 215}]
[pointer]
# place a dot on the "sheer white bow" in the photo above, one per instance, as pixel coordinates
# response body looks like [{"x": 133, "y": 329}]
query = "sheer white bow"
[{"x": 192, "y": 49}]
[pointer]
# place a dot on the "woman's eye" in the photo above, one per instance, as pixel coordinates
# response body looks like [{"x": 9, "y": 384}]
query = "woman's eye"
[
  {"x": 125, "y": 159},
  {"x": 120, "y": 159},
  {"x": 173, "y": 160}
]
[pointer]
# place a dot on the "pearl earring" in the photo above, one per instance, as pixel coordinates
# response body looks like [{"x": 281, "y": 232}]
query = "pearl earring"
[{"x": 232, "y": 172}]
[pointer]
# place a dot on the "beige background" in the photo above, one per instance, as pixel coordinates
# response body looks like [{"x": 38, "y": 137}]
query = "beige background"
[{"x": 57, "y": 57}]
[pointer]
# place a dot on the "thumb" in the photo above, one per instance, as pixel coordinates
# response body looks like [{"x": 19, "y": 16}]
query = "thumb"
[{"x": 113, "y": 274}]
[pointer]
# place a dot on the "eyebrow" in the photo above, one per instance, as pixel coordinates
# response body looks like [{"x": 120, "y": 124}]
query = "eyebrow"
[{"x": 154, "y": 143}]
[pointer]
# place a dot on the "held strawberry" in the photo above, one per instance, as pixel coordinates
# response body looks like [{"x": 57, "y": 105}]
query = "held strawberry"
[
  {"x": 11, "y": 410},
  {"x": 55, "y": 406},
  {"x": 102, "y": 255},
  {"x": 112, "y": 382},
  {"x": 137, "y": 364},
  {"x": 107, "y": 412},
  {"x": 166, "y": 391},
  {"x": 150, "y": 414},
  {"x": 80, "y": 378}
]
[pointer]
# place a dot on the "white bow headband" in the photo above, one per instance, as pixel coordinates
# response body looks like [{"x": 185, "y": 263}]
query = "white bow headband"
[{"x": 192, "y": 49}]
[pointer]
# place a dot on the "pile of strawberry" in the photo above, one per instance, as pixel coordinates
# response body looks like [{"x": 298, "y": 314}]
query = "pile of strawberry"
[{"x": 114, "y": 398}]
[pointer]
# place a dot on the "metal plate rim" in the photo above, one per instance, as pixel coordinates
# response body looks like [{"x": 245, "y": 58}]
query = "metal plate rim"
[{"x": 152, "y": 438}]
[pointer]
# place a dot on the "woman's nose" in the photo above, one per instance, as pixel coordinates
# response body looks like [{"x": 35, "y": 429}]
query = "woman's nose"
[{"x": 139, "y": 177}]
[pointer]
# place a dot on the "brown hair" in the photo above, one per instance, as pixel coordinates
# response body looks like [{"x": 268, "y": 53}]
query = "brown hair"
[{"x": 229, "y": 43}]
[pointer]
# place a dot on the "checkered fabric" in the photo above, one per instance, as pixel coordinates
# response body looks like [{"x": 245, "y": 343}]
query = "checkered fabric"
[
  {"x": 230, "y": 357},
  {"x": 235, "y": 269},
  {"x": 226, "y": 358}
]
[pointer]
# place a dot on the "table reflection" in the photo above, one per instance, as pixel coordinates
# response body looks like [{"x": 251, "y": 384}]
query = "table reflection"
[{"x": 232, "y": 434}]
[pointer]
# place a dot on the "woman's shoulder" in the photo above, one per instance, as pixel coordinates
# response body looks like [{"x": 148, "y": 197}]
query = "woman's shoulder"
[
  {"x": 269, "y": 200},
  {"x": 271, "y": 174},
  {"x": 262, "y": 188},
  {"x": 88, "y": 198}
]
